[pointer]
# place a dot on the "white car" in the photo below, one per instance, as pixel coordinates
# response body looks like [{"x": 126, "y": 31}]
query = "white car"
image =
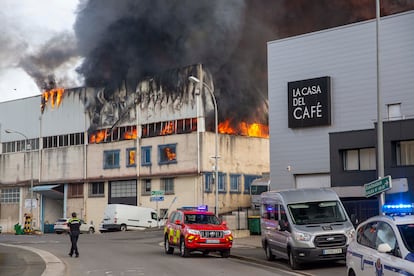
[
  {"x": 61, "y": 226},
  {"x": 384, "y": 244}
]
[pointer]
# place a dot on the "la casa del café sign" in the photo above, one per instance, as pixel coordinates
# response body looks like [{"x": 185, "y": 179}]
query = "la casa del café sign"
[{"x": 309, "y": 102}]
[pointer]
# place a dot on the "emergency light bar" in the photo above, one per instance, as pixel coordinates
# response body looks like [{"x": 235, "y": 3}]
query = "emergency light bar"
[
  {"x": 195, "y": 208},
  {"x": 398, "y": 209}
]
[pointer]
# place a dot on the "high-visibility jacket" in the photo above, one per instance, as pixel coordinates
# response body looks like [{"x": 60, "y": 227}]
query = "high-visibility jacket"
[{"x": 74, "y": 225}]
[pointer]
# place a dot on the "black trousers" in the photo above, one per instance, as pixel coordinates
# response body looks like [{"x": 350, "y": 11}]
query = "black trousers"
[{"x": 74, "y": 240}]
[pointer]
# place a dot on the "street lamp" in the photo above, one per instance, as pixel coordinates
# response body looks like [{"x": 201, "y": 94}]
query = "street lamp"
[
  {"x": 197, "y": 81},
  {"x": 27, "y": 147}
]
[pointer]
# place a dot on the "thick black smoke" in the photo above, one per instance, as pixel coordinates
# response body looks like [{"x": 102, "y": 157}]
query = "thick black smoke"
[{"x": 131, "y": 39}]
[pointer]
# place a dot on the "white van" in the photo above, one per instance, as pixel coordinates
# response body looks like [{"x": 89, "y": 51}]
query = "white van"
[
  {"x": 304, "y": 225},
  {"x": 121, "y": 216}
]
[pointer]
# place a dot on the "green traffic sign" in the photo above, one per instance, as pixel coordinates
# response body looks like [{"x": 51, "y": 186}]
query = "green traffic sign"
[
  {"x": 378, "y": 186},
  {"x": 157, "y": 193}
]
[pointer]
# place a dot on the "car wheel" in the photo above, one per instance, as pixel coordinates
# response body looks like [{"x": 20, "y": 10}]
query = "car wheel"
[
  {"x": 351, "y": 272},
  {"x": 168, "y": 248},
  {"x": 91, "y": 230},
  {"x": 225, "y": 253},
  {"x": 183, "y": 249},
  {"x": 205, "y": 253},
  {"x": 123, "y": 227},
  {"x": 294, "y": 264},
  {"x": 57, "y": 232},
  {"x": 269, "y": 254}
]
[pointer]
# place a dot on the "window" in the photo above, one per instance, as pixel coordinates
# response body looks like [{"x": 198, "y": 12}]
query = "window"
[
  {"x": 131, "y": 161},
  {"x": 10, "y": 195},
  {"x": 359, "y": 159},
  {"x": 146, "y": 186},
  {"x": 248, "y": 179},
  {"x": 19, "y": 146},
  {"x": 167, "y": 184},
  {"x": 208, "y": 181},
  {"x": 234, "y": 182},
  {"x": 405, "y": 153},
  {"x": 126, "y": 188},
  {"x": 385, "y": 234},
  {"x": 146, "y": 156},
  {"x": 167, "y": 154},
  {"x": 111, "y": 159},
  {"x": 222, "y": 182},
  {"x": 96, "y": 189},
  {"x": 62, "y": 140},
  {"x": 76, "y": 190},
  {"x": 394, "y": 111},
  {"x": 270, "y": 211}
]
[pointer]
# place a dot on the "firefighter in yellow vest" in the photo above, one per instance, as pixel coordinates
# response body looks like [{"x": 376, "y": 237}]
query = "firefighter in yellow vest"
[{"x": 74, "y": 232}]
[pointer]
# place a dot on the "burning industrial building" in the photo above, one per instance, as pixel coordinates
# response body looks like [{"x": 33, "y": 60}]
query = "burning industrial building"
[{"x": 163, "y": 104}]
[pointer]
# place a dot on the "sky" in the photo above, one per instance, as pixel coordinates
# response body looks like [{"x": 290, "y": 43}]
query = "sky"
[{"x": 27, "y": 26}]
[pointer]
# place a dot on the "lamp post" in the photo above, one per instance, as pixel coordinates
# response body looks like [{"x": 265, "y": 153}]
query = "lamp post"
[
  {"x": 380, "y": 133},
  {"x": 27, "y": 147},
  {"x": 197, "y": 81}
]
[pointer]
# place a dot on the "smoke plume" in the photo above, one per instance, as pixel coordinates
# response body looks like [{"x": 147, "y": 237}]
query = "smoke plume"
[{"x": 133, "y": 39}]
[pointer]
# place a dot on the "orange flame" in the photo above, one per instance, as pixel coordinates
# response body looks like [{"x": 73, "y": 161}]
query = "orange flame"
[
  {"x": 98, "y": 137},
  {"x": 130, "y": 135},
  {"x": 169, "y": 154},
  {"x": 168, "y": 129},
  {"x": 54, "y": 96},
  {"x": 245, "y": 129}
]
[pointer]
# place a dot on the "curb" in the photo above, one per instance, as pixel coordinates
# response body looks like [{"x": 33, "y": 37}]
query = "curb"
[
  {"x": 54, "y": 266},
  {"x": 267, "y": 264}
]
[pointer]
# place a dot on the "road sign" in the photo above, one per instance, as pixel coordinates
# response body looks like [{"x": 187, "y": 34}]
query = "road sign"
[
  {"x": 378, "y": 186},
  {"x": 157, "y": 193},
  {"x": 157, "y": 198}
]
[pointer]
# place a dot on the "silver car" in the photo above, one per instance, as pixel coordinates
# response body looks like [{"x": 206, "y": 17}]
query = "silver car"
[{"x": 61, "y": 226}]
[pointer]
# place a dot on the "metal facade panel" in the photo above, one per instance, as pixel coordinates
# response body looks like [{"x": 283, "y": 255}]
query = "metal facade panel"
[
  {"x": 20, "y": 115},
  {"x": 348, "y": 55}
]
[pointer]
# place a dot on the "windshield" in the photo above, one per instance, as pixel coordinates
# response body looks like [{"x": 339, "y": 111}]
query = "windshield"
[
  {"x": 407, "y": 235},
  {"x": 317, "y": 212},
  {"x": 201, "y": 219},
  {"x": 258, "y": 190}
]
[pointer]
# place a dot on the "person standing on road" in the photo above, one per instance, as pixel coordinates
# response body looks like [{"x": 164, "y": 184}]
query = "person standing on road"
[{"x": 74, "y": 232}]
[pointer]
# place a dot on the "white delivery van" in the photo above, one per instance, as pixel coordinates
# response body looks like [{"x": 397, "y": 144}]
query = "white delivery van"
[
  {"x": 121, "y": 216},
  {"x": 304, "y": 225}
]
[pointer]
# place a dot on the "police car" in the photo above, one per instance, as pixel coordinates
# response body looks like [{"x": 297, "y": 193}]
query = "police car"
[{"x": 384, "y": 244}]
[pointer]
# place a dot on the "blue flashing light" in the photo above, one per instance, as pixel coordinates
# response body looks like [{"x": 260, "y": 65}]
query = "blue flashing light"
[
  {"x": 398, "y": 209},
  {"x": 202, "y": 208},
  {"x": 194, "y": 208}
]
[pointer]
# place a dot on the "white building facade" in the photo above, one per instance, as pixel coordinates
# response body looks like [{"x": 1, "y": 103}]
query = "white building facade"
[{"x": 90, "y": 147}]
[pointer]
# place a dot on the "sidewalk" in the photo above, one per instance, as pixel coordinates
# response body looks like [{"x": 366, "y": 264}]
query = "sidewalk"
[{"x": 251, "y": 241}]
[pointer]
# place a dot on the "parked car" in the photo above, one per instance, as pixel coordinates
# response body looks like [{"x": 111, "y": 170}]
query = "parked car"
[
  {"x": 61, "y": 226},
  {"x": 384, "y": 244},
  {"x": 120, "y": 217},
  {"x": 192, "y": 230}
]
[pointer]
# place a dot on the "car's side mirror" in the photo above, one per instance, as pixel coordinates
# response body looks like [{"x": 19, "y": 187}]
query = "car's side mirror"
[
  {"x": 354, "y": 220},
  {"x": 224, "y": 223},
  {"x": 384, "y": 248},
  {"x": 178, "y": 222},
  {"x": 283, "y": 225}
]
